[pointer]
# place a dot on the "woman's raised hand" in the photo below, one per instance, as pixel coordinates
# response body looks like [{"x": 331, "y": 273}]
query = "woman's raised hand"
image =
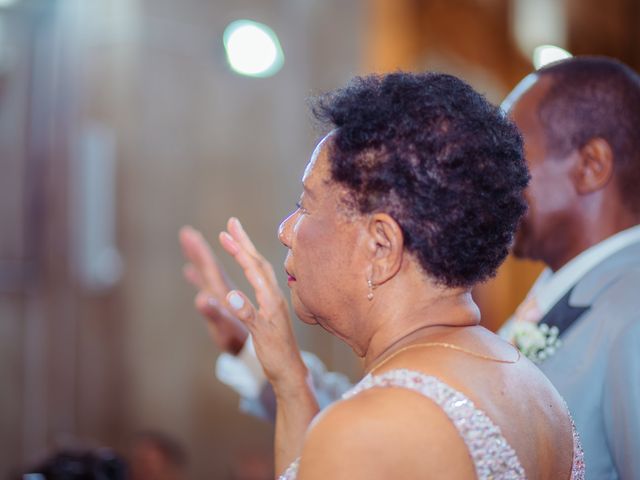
[
  {"x": 206, "y": 274},
  {"x": 269, "y": 324}
]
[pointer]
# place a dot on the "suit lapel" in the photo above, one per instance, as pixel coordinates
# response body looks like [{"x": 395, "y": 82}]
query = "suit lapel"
[
  {"x": 563, "y": 315},
  {"x": 587, "y": 288}
]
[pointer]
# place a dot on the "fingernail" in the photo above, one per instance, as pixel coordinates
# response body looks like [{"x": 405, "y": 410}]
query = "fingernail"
[
  {"x": 236, "y": 301},
  {"x": 227, "y": 237},
  {"x": 212, "y": 302}
]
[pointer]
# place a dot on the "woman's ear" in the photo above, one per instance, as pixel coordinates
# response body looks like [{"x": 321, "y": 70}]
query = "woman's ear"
[
  {"x": 595, "y": 166},
  {"x": 386, "y": 244}
]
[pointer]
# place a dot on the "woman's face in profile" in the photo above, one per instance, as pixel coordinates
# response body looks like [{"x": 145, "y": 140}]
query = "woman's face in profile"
[{"x": 325, "y": 262}]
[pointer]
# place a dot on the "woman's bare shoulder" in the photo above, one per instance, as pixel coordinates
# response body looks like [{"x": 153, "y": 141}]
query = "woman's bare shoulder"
[{"x": 384, "y": 433}]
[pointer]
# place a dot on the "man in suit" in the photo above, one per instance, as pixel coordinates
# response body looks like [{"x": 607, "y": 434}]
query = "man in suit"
[{"x": 580, "y": 120}]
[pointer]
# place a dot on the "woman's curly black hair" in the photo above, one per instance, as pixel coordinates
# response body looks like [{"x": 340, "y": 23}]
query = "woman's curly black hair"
[{"x": 439, "y": 158}]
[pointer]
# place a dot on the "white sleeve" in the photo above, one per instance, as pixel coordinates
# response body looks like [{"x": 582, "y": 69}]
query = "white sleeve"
[
  {"x": 244, "y": 374},
  {"x": 328, "y": 386}
]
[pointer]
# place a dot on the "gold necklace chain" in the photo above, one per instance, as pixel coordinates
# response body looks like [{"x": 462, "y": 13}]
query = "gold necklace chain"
[{"x": 445, "y": 345}]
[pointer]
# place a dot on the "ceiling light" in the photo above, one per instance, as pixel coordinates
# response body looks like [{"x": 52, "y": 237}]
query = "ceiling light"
[
  {"x": 546, "y": 54},
  {"x": 252, "y": 49}
]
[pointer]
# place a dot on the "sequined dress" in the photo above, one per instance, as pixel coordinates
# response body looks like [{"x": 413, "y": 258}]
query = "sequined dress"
[{"x": 492, "y": 455}]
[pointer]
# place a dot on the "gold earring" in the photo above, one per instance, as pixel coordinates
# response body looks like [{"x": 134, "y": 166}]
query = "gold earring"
[{"x": 370, "y": 294}]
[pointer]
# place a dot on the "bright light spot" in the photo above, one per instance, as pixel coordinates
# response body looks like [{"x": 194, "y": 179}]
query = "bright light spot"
[
  {"x": 545, "y": 54},
  {"x": 7, "y": 3},
  {"x": 252, "y": 49}
]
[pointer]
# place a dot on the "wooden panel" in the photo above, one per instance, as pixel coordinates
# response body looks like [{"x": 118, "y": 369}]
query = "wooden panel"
[{"x": 596, "y": 29}]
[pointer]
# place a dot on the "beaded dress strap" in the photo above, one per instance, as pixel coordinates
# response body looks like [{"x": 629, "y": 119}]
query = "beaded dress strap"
[
  {"x": 492, "y": 456},
  {"x": 577, "y": 467},
  {"x": 292, "y": 471}
]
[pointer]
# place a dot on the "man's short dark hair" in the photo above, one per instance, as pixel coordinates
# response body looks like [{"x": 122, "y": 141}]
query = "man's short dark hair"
[
  {"x": 595, "y": 97},
  {"x": 441, "y": 160}
]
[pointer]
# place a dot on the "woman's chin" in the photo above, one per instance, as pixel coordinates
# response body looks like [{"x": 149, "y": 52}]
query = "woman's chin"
[
  {"x": 306, "y": 317},
  {"x": 302, "y": 312},
  {"x": 308, "y": 320}
]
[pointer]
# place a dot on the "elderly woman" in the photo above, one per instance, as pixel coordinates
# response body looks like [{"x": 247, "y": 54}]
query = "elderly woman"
[{"x": 409, "y": 201}]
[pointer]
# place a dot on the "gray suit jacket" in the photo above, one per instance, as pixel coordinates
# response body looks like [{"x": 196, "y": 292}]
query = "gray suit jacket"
[{"x": 597, "y": 369}]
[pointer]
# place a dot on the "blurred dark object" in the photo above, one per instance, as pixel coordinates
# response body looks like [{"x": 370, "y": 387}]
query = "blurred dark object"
[{"x": 102, "y": 464}]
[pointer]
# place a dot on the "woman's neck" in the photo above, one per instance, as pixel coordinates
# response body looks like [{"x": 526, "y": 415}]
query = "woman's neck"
[{"x": 422, "y": 320}]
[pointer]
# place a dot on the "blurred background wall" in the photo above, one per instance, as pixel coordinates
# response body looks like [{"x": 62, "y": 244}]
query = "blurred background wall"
[{"x": 120, "y": 121}]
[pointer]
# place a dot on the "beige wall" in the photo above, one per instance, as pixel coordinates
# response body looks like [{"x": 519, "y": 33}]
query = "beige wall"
[{"x": 195, "y": 144}]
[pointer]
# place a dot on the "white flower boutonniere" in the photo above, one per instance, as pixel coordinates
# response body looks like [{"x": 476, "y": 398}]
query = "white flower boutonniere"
[{"x": 537, "y": 342}]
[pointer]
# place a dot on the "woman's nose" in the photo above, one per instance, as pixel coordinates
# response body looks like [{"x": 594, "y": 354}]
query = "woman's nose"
[{"x": 284, "y": 231}]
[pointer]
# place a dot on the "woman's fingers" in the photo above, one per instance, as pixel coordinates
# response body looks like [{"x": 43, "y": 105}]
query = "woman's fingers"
[
  {"x": 270, "y": 326},
  {"x": 272, "y": 335},
  {"x": 189, "y": 242},
  {"x": 229, "y": 244},
  {"x": 210, "y": 308},
  {"x": 242, "y": 239},
  {"x": 199, "y": 253},
  {"x": 227, "y": 331},
  {"x": 242, "y": 308},
  {"x": 236, "y": 230},
  {"x": 259, "y": 273},
  {"x": 204, "y": 272},
  {"x": 196, "y": 249},
  {"x": 192, "y": 276}
]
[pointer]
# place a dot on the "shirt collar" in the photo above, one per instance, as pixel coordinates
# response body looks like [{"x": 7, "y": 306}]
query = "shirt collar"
[{"x": 551, "y": 287}]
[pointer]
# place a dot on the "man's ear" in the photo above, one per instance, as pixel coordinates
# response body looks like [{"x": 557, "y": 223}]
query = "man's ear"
[
  {"x": 386, "y": 245},
  {"x": 595, "y": 168}
]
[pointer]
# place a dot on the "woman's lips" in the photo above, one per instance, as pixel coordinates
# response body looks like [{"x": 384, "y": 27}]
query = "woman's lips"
[{"x": 290, "y": 278}]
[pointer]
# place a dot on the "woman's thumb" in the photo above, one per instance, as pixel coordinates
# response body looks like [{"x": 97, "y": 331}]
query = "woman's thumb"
[{"x": 241, "y": 306}]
